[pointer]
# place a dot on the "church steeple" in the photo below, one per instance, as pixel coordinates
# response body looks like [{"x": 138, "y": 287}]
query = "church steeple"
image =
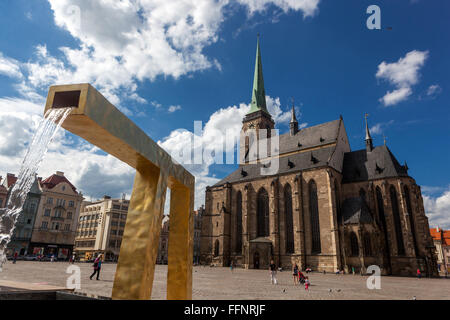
[
  {"x": 369, "y": 142},
  {"x": 293, "y": 126},
  {"x": 258, "y": 93}
]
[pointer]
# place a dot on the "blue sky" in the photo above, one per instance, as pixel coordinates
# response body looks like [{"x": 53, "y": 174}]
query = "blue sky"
[{"x": 318, "y": 52}]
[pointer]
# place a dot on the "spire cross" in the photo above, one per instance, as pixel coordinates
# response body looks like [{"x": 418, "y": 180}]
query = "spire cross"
[{"x": 384, "y": 138}]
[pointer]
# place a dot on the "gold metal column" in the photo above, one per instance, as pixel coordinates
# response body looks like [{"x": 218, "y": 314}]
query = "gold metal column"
[{"x": 95, "y": 119}]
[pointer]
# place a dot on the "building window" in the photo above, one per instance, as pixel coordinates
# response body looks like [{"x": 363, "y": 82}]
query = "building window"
[
  {"x": 120, "y": 233},
  {"x": 336, "y": 200},
  {"x": 58, "y": 213},
  {"x": 354, "y": 247},
  {"x": 239, "y": 223},
  {"x": 32, "y": 206},
  {"x": 55, "y": 226},
  {"x": 382, "y": 217},
  {"x": 314, "y": 218},
  {"x": 67, "y": 227},
  {"x": 69, "y": 215},
  {"x": 289, "y": 223},
  {"x": 71, "y": 204},
  {"x": 216, "y": 248},
  {"x": 114, "y": 223},
  {"x": 50, "y": 201},
  {"x": 263, "y": 213},
  {"x": 367, "y": 245},
  {"x": 29, "y": 221},
  {"x": 47, "y": 213},
  {"x": 44, "y": 225},
  {"x": 397, "y": 222},
  {"x": 411, "y": 218}
]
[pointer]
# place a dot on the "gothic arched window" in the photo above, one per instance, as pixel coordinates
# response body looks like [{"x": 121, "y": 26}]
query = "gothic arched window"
[
  {"x": 336, "y": 200},
  {"x": 367, "y": 245},
  {"x": 216, "y": 248},
  {"x": 397, "y": 222},
  {"x": 262, "y": 213},
  {"x": 354, "y": 246},
  {"x": 289, "y": 223},
  {"x": 314, "y": 216},
  {"x": 411, "y": 218},
  {"x": 239, "y": 222}
]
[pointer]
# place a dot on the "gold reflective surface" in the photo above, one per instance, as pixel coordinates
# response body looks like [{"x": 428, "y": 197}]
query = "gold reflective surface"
[{"x": 96, "y": 120}]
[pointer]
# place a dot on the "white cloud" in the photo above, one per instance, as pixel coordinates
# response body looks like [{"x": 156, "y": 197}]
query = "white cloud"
[
  {"x": 434, "y": 90},
  {"x": 308, "y": 7},
  {"x": 438, "y": 209},
  {"x": 172, "y": 109},
  {"x": 380, "y": 127},
  {"x": 9, "y": 67},
  {"x": 393, "y": 97},
  {"x": 125, "y": 42},
  {"x": 403, "y": 74}
]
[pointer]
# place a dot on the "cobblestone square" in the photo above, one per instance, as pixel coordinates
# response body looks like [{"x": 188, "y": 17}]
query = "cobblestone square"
[{"x": 222, "y": 284}]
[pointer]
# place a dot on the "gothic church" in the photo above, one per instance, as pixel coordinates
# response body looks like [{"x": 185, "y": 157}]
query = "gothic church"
[{"x": 327, "y": 207}]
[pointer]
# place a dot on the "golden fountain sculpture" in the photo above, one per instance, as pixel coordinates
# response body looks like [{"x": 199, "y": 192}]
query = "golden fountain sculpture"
[{"x": 96, "y": 120}]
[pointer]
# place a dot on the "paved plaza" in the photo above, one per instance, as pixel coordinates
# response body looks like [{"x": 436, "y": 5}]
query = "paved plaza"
[{"x": 222, "y": 284}]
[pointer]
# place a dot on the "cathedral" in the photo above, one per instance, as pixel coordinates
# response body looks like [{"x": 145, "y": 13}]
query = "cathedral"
[{"x": 327, "y": 207}]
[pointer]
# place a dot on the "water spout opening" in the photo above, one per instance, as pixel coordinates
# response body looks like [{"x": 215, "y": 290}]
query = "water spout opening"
[{"x": 66, "y": 99}]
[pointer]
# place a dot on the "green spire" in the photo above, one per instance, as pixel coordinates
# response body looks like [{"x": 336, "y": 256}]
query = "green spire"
[{"x": 258, "y": 94}]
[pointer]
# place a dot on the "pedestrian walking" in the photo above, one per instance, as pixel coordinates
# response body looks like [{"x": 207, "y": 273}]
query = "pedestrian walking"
[
  {"x": 97, "y": 267},
  {"x": 307, "y": 283},
  {"x": 353, "y": 270},
  {"x": 295, "y": 273},
  {"x": 301, "y": 277},
  {"x": 419, "y": 275},
  {"x": 273, "y": 272},
  {"x": 231, "y": 266},
  {"x": 15, "y": 257}
]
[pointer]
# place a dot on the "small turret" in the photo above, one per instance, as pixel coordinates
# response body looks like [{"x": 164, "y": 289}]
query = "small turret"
[
  {"x": 293, "y": 126},
  {"x": 369, "y": 142}
]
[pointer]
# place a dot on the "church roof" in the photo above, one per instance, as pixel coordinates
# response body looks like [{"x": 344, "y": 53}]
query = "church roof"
[
  {"x": 308, "y": 138},
  {"x": 355, "y": 211},
  {"x": 379, "y": 163},
  {"x": 54, "y": 180}
]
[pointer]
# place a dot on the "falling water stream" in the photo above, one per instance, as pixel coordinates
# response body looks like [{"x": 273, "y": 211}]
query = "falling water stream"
[{"x": 9, "y": 216}]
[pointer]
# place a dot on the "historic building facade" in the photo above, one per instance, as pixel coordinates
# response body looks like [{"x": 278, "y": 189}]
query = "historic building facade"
[
  {"x": 3, "y": 194},
  {"x": 163, "y": 246},
  {"x": 198, "y": 214},
  {"x": 326, "y": 207},
  {"x": 20, "y": 241},
  {"x": 56, "y": 220},
  {"x": 441, "y": 239},
  {"x": 100, "y": 228}
]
